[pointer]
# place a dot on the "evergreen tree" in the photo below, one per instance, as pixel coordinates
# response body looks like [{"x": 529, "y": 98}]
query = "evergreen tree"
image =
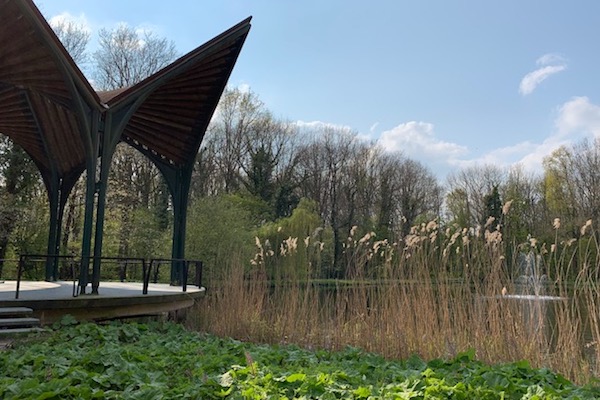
[{"x": 493, "y": 206}]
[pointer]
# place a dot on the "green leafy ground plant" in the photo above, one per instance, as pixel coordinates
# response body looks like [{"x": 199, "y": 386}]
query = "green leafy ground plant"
[{"x": 164, "y": 361}]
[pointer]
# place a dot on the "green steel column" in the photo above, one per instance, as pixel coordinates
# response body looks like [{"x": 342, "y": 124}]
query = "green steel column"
[
  {"x": 101, "y": 207},
  {"x": 90, "y": 195},
  {"x": 53, "y": 231},
  {"x": 66, "y": 186},
  {"x": 62, "y": 202},
  {"x": 180, "y": 194},
  {"x": 88, "y": 220},
  {"x": 109, "y": 143}
]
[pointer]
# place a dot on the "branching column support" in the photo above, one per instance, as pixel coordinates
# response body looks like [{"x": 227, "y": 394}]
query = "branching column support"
[
  {"x": 90, "y": 196},
  {"x": 109, "y": 143},
  {"x": 58, "y": 194},
  {"x": 53, "y": 185},
  {"x": 178, "y": 181}
]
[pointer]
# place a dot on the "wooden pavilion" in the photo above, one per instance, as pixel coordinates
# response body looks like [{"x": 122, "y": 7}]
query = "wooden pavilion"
[{"x": 50, "y": 109}]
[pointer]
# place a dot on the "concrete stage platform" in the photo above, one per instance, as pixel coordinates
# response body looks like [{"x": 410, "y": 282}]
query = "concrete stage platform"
[{"x": 51, "y": 300}]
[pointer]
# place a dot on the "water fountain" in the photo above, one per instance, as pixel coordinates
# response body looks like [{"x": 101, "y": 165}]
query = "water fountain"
[
  {"x": 532, "y": 282},
  {"x": 530, "y": 297}
]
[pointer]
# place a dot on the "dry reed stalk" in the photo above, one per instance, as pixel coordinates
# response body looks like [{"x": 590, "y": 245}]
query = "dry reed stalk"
[{"x": 422, "y": 305}]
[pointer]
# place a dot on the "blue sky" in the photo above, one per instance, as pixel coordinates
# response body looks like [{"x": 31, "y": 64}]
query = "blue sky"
[{"x": 449, "y": 83}]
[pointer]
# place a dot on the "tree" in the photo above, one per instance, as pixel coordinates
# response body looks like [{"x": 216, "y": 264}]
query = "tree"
[
  {"x": 526, "y": 214},
  {"x": 559, "y": 187},
  {"x": 260, "y": 175},
  {"x": 247, "y": 149},
  {"x": 419, "y": 193},
  {"x": 405, "y": 192},
  {"x": 21, "y": 182},
  {"x": 572, "y": 183},
  {"x": 469, "y": 186},
  {"x": 136, "y": 186},
  {"x": 458, "y": 207},
  {"x": 74, "y": 37},
  {"x": 220, "y": 231},
  {"x": 585, "y": 174},
  {"x": 387, "y": 219},
  {"x": 237, "y": 115},
  {"x": 127, "y": 56},
  {"x": 333, "y": 170},
  {"x": 493, "y": 206}
]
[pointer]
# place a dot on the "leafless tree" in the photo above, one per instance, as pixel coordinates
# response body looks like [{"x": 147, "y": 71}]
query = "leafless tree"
[
  {"x": 467, "y": 189},
  {"x": 74, "y": 37},
  {"x": 406, "y": 191},
  {"x": 586, "y": 177},
  {"x": 247, "y": 149},
  {"x": 572, "y": 182},
  {"x": 419, "y": 194},
  {"x": 334, "y": 172},
  {"x": 127, "y": 56},
  {"x": 238, "y": 115}
]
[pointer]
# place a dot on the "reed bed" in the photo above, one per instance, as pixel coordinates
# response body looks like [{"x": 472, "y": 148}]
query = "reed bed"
[{"x": 435, "y": 294}]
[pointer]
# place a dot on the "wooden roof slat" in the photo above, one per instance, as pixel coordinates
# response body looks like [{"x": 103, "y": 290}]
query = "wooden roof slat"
[{"x": 166, "y": 151}]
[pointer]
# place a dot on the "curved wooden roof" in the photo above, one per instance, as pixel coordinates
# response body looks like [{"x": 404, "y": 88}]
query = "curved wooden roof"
[
  {"x": 47, "y": 106},
  {"x": 42, "y": 91},
  {"x": 175, "y": 105}
]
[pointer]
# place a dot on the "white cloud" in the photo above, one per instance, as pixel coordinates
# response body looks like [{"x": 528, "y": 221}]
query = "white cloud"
[
  {"x": 244, "y": 87},
  {"x": 550, "y": 64},
  {"x": 528, "y": 154},
  {"x": 417, "y": 140},
  {"x": 318, "y": 125},
  {"x": 578, "y": 117},
  {"x": 502, "y": 156},
  {"x": 551, "y": 59},
  {"x": 310, "y": 127},
  {"x": 575, "y": 119},
  {"x": 80, "y": 20},
  {"x": 533, "y": 79}
]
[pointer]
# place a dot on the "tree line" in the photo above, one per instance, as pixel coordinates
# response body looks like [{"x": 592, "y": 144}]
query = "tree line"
[{"x": 256, "y": 172}]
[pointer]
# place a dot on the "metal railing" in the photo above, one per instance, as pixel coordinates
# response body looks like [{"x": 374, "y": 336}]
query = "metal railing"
[
  {"x": 37, "y": 258},
  {"x": 123, "y": 269},
  {"x": 184, "y": 270}
]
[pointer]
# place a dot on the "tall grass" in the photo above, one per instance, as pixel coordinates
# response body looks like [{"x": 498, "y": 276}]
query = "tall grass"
[{"x": 436, "y": 293}]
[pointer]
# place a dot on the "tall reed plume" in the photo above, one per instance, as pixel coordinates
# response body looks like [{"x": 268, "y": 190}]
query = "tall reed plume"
[{"x": 436, "y": 293}]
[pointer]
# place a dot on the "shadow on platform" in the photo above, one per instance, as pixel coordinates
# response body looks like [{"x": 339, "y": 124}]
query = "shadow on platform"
[{"x": 52, "y": 300}]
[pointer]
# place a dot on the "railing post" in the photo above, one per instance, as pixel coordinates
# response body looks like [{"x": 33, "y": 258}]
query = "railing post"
[
  {"x": 145, "y": 276},
  {"x": 72, "y": 264},
  {"x": 198, "y": 281},
  {"x": 184, "y": 274},
  {"x": 123, "y": 271},
  {"x": 156, "y": 270},
  {"x": 19, "y": 273}
]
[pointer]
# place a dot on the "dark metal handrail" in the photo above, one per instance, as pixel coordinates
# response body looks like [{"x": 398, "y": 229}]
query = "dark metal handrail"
[
  {"x": 147, "y": 268},
  {"x": 184, "y": 272},
  {"x": 39, "y": 258},
  {"x": 123, "y": 267}
]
